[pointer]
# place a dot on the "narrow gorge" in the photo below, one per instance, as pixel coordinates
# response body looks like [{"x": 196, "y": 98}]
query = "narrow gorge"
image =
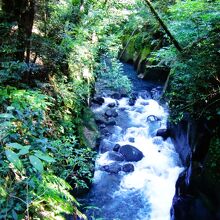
[{"x": 137, "y": 166}]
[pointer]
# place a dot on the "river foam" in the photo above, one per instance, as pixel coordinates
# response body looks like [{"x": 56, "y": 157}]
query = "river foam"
[{"x": 147, "y": 192}]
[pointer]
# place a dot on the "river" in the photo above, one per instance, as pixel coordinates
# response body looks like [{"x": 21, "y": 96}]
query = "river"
[{"x": 126, "y": 188}]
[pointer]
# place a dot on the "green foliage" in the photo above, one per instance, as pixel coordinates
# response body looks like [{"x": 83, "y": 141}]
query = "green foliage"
[
  {"x": 113, "y": 75},
  {"x": 75, "y": 161},
  {"x": 33, "y": 169},
  {"x": 198, "y": 78},
  {"x": 193, "y": 19},
  {"x": 194, "y": 72},
  {"x": 12, "y": 71},
  {"x": 213, "y": 159}
]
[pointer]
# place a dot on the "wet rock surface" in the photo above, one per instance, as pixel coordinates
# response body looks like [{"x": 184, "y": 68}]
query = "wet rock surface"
[
  {"x": 164, "y": 133},
  {"x": 111, "y": 113},
  {"x": 196, "y": 196},
  {"x": 112, "y": 155},
  {"x": 131, "y": 153},
  {"x": 128, "y": 167},
  {"x": 112, "y": 168},
  {"x": 98, "y": 100}
]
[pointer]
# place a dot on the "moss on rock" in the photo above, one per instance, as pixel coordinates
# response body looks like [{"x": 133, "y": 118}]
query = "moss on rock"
[{"x": 88, "y": 130}]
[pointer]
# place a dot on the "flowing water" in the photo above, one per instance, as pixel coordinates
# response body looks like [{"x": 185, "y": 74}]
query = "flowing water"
[{"x": 147, "y": 192}]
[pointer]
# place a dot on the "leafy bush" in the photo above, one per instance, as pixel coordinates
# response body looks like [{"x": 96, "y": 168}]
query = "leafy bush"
[
  {"x": 35, "y": 166},
  {"x": 213, "y": 159},
  {"x": 194, "y": 78}
]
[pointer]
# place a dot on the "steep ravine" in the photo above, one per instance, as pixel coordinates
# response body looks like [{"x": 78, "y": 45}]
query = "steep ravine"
[{"x": 137, "y": 166}]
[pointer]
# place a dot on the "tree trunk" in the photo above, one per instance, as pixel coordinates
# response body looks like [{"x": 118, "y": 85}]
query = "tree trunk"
[
  {"x": 25, "y": 25},
  {"x": 45, "y": 16},
  {"x": 172, "y": 38}
]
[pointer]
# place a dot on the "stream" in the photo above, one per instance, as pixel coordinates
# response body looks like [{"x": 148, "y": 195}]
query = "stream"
[{"x": 136, "y": 170}]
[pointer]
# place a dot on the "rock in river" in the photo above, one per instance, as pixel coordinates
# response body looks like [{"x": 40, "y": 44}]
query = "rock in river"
[
  {"x": 112, "y": 168},
  {"x": 116, "y": 147},
  {"x": 164, "y": 133},
  {"x": 131, "y": 153},
  {"x": 128, "y": 167},
  {"x": 111, "y": 113},
  {"x": 98, "y": 100},
  {"x": 112, "y": 155}
]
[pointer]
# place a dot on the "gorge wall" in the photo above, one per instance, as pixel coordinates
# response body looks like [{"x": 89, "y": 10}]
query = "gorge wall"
[{"x": 197, "y": 193}]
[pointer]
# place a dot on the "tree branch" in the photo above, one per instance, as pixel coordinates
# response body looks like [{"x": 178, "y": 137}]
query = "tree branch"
[{"x": 163, "y": 25}]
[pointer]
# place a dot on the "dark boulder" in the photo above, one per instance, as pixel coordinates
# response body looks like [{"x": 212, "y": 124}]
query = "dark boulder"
[
  {"x": 122, "y": 109},
  {"x": 164, "y": 133},
  {"x": 111, "y": 105},
  {"x": 111, "y": 113},
  {"x": 131, "y": 153},
  {"x": 124, "y": 95},
  {"x": 99, "y": 121},
  {"x": 156, "y": 73},
  {"x": 110, "y": 122},
  {"x": 98, "y": 100},
  {"x": 131, "y": 139},
  {"x": 102, "y": 126},
  {"x": 112, "y": 155},
  {"x": 131, "y": 101},
  {"x": 116, "y": 96},
  {"x": 116, "y": 147},
  {"x": 128, "y": 167},
  {"x": 105, "y": 146},
  {"x": 105, "y": 132},
  {"x": 112, "y": 168}
]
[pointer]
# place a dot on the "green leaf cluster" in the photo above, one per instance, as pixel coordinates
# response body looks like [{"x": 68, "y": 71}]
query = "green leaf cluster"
[{"x": 36, "y": 161}]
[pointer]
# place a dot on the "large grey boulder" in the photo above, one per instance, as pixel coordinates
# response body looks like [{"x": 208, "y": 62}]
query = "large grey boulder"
[{"x": 130, "y": 153}]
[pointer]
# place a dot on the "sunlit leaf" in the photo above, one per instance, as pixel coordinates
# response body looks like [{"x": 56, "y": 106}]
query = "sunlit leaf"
[
  {"x": 36, "y": 163},
  {"x": 14, "y": 159},
  {"x": 23, "y": 151},
  {"x": 44, "y": 157},
  {"x": 6, "y": 116},
  {"x": 15, "y": 146},
  {"x": 10, "y": 108}
]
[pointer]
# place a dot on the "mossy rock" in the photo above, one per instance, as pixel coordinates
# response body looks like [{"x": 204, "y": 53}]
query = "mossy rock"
[
  {"x": 88, "y": 130},
  {"x": 143, "y": 54},
  {"x": 129, "y": 52}
]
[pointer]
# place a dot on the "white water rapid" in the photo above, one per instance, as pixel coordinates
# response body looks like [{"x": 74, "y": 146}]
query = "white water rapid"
[{"x": 147, "y": 192}]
